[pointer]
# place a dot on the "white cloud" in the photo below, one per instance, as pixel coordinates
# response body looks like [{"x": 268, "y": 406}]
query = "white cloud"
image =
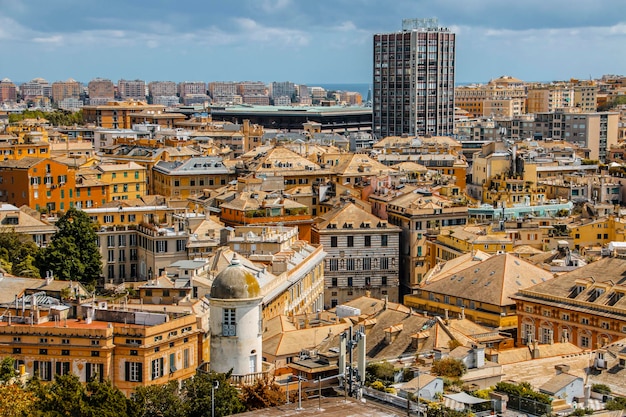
[
  {"x": 347, "y": 26},
  {"x": 273, "y": 6}
]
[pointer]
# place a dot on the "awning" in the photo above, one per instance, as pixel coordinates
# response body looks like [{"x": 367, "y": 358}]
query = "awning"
[{"x": 465, "y": 398}]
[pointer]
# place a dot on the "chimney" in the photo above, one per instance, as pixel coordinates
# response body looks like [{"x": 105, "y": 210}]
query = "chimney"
[
  {"x": 462, "y": 314},
  {"x": 446, "y": 316},
  {"x": 386, "y": 304}
]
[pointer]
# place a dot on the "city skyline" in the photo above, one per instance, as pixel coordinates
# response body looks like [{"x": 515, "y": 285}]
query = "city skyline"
[{"x": 305, "y": 42}]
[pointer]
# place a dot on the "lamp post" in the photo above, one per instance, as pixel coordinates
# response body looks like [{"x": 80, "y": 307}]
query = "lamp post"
[
  {"x": 216, "y": 385},
  {"x": 418, "y": 392},
  {"x": 300, "y": 379}
]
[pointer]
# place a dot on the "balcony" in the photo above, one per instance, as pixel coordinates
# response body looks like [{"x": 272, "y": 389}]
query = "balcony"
[{"x": 244, "y": 379}]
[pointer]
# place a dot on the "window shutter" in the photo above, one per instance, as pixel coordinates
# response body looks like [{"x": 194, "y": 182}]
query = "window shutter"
[
  {"x": 36, "y": 368},
  {"x": 126, "y": 371},
  {"x": 59, "y": 368},
  {"x": 101, "y": 372},
  {"x": 49, "y": 366},
  {"x": 88, "y": 372},
  {"x": 140, "y": 372}
]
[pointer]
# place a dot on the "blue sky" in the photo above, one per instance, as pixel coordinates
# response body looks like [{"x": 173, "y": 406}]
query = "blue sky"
[{"x": 304, "y": 41}]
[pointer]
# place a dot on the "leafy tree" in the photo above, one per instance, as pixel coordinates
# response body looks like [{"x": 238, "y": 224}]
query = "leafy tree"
[
  {"x": 601, "y": 388},
  {"x": 7, "y": 369},
  {"x": 56, "y": 118},
  {"x": 383, "y": 371},
  {"x": 15, "y": 401},
  {"x": 262, "y": 394},
  {"x": 73, "y": 253},
  {"x": 618, "y": 403},
  {"x": 163, "y": 400},
  {"x": 64, "y": 397},
  {"x": 105, "y": 400},
  {"x": 18, "y": 252},
  {"x": 198, "y": 395},
  {"x": 449, "y": 367}
]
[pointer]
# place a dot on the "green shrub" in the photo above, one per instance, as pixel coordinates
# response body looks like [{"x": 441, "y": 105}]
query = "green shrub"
[{"x": 601, "y": 388}]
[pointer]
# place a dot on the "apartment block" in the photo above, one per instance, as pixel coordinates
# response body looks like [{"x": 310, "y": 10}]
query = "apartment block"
[
  {"x": 132, "y": 90},
  {"x": 101, "y": 91},
  {"x": 419, "y": 214},
  {"x": 116, "y": 114},
  {"x": 414, "y": 80},
  {"x": 594, "y": 131},
  {"x": 584, "y": 307},
  {"x": 8, "y": 91},
  {"x": 182, "y": 179},
  {"x": 362, "y": 258},
  {"x": 62, "y": 90},
  {"x": 130, "y": 348},
  {"x": 162, "y": 88}
]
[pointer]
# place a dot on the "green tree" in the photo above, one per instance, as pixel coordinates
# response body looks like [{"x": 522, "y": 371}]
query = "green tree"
[
  {"x": 383, "y": 371},
  {"x": 7, "y": 369},
  {"x": 64, "y": 397},
  {"x": 18, "y": 252},
  {"x": 105, "y": 400},
  {"x": 73, "y": 253},
  {"x": 197, "y": 393},
  {"x": 449, "y": 367},
  {"x": 163, "y": 400},
  {"x": 262, "y": 394},
  {"x": 15, "y": 401}
]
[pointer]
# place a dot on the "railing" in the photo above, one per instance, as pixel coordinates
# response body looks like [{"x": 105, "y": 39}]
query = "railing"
[{"x": 244, "y": 379}]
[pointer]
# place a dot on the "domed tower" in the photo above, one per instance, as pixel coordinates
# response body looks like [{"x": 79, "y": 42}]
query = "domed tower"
[{"x": 236, "y": 323}]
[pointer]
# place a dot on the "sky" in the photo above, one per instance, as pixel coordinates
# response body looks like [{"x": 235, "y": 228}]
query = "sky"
[{"x": 303, "y": 41}]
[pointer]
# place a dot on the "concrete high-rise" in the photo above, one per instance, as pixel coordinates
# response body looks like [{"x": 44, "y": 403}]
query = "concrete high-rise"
[{"x": 414, "y": 80}]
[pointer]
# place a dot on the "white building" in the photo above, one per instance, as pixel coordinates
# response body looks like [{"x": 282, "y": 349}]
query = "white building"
[{"x": 236, "y": 323}]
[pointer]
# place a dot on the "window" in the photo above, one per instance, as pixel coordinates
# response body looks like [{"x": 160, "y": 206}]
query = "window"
[
  {"x": 584, "y": 320},
  {"x": 109, "y": 219},
  {"x": 111, "y": 255},
  {"x": 584, "y": 341},
  {"x": 62, "y": 368},
  {"x": 157, "y": 368},
  {"x": 43, "y": 369},
  {"x": 134, "y": 371},
  {"x": 186, "y": 358},
  {"x": 121, "y": 240},
  {"x": 384, "y": 263},
  {"x": 384, "y": 240},
  {"x": 334, "y": 264},
  {"x": 17, "y": 350},
  {"x": 333, "y": 282},
  {"x": 65, "y": 352},
  {"x": 172, "y": 363},
  {"x": 367, "y": 264},
  {"x": 383, "y": 281},
  {"x": 110, "y": 241},
  {"x": 161, "y": 246},
  {"x": 134, "y": 352},
  {"x": 350, "y": 264},
  {"x": 368, "y": 241},
  {"x": 350, "y": 241},
  {"x": 605, "y": 325},
  {"x": 565, "y": 317},
  {"x": 229, "y": 322},
  {"x": 349, "y": 281},
  {"x": 43, "y": 340},
  {"x": 333, "y": 241},
  {"x": 180, "y": 245}
]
